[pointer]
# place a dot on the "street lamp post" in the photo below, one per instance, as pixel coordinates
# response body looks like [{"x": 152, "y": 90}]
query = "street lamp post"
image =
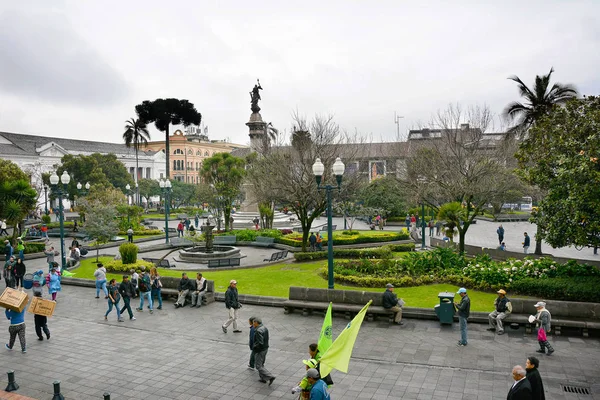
[
  {"x": 60, "y": 191},
  {"x": 423, "y": 247},
  {"x": 46, "y": 197},
  {"x": 128, "y": 189},
  {"x": 166, "y": 188},
  {"x": 338, "y": 170}
]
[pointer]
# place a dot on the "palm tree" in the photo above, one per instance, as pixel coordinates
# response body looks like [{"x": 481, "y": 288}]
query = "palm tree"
[
  {"x": 538, "y": 101},
  {"x": 136, "y": 134}
]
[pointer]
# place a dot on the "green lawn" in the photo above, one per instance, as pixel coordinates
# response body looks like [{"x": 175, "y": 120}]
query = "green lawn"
[{"x": 275, "y": 280}]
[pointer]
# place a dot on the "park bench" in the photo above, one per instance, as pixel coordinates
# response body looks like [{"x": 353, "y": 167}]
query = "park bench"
[
  {"x": 228, "y": 240},
  {"x": 170, "y": 284},
  {"x": 164, "y": 263},
  {"x": 181, "y": 242},
  {"x": 182, "y": 216},
  {"x": 263, "y": 241},
  {"x": 279, "y": 255},
  {"x": 172, "y": 230},
  {"x": 224, "y": 262}
]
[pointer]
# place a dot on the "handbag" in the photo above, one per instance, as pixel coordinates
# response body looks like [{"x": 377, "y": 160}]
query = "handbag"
[{"x": 542, "y": 335}]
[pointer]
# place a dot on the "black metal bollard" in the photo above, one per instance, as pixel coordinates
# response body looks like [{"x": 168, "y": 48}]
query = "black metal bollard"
[
  {"x": 12, "y": 384},
  {"x": 106, "y": 396},
  {"x": 57, "y": 395}
]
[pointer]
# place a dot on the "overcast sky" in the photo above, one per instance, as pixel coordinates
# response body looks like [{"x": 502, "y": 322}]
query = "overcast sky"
[{"x": 77, "y": 68}]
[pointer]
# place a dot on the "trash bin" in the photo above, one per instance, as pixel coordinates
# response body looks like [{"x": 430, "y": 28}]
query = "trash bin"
[
  {"x": 28, "y": 281},
  {"x": 445, "y": 310}
]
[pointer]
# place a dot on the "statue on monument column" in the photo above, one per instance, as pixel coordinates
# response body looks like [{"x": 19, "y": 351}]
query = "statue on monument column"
[{"x": 255, "y": 97}]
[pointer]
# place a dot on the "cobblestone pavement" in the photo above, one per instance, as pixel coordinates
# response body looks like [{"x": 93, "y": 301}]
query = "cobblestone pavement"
[{"x": 183, "y": 354}]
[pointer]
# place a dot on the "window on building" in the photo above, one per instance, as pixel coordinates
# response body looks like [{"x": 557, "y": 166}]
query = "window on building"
[
  {"x": 198, "y": 153},
  {"x": 178, "y": 151},
  {"x": 376, "y": 170},
  {"x": 206, "y": 153},
  {"x": 190, "y": 152},
  {"x": 351, "y": 168}
]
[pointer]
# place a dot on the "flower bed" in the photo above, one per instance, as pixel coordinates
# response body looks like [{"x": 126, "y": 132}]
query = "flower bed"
[
  {"x": 347, "y": 237},
  {"x": 535, "y": 277}
]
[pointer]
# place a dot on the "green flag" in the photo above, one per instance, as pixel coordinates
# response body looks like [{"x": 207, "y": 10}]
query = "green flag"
[
  {"x": 326, "y": 337},
  {"x": 338, "y": 355}
]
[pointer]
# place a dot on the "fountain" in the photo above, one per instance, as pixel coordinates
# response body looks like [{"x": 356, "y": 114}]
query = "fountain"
[{"x": 201, "y": 254}]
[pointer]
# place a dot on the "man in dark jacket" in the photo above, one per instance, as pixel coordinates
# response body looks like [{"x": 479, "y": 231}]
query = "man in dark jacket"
[
  {"x": 261, "y": 347},
  {"x": 312, "y": 240},
  {"x": 390, "y": 302},
  {"x": 521, "y": 388},
  {"x": 502, "y": 309},
  {"x": 127, "y": 291},
  {"x": 534, "y": 378},
  {"x": 233, "y": 305},
  {"x": 184, "y": 287},
  {"x": 464, "y": 310},
  {"x": 251, "y": 343}
]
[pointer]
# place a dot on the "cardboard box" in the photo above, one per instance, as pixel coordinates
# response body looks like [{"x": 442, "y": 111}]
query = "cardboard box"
[
  {"x": 41, "y": 306},
  {"x": 14, "y": 299}
]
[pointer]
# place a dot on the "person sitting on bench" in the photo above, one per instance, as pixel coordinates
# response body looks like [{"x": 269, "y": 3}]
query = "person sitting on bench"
[
  {"x": 200, "y": 292},
  {"x": 184, "y": 287}
]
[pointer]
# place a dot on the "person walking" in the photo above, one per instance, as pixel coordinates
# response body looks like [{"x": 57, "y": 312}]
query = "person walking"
[
  {"x": 8, "y": 249},
  {"x": 526, "y": 243},
  {"x": 8, "y": 272},
  {"x": 196, "y": 220},
  {"x": 500, "y": 232},
  {"x": 256, "y": 222},
  {"x": 543, "y": 320},
  {"x": 180, "y": 229},
  {"x": 53, "y": 281},
  {"x": 534, "y": 378},
  {"x": 312, "y": 240},
  {"x": 145, "y": 288},
  {"x": 50, "y": 257},
  {"x": 3, "y": 230},
  {"x": 318, "y": 387},
  {"x": 100, "y": 275},
  {"x": 130, "y": 234},
  {"x": 41, "y": 323},
  {"x": 438, "y": 227},
  {"x": 430, "y": 224},
  {"x": 319, "y": 242},
  {"x": 19, "y": 272},
  {"x": 521, "y": 388},
  {"x": 251, "y": 363},
  {"x": 261, "y": 348},
  {"x": 464, "y": 310},
  {"x": 390, "y": 302},
  {"x": 232, "y": 304},
  {"x": 156, "y": 286},
  {"x": 407, "y": 222},
  {"x": 503, "y": 308},
  {"x": 17, "y": 327},
  {"x": 113, "y": 300},
  {"x": 21, "y": 248},
  {"x": 127, "y": 291}
]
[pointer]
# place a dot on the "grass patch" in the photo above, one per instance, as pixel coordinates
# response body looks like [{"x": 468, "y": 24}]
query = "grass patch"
[{"x": 275, "y": 280}]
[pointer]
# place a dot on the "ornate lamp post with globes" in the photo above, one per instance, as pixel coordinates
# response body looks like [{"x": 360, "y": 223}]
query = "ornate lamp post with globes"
[
  {"x": 166, "y": 188},
  {"x": 338, "y": 170},
  {"x": 60, "y": 191}
]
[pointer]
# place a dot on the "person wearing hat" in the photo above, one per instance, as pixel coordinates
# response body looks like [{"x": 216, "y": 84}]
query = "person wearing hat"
[
  {"x": 8, "y": 272},
  {"x": 261, "y": 348},
  {"x": 304, "y": 387},
  {"x": 543, "y": 323},
  {"x": 464, "y": 309},
  {"x": 318, "y": 390},
  {"x": 503, "y": 308},
  {"x": 8, "y": 250},
  {"x": 390, "y": 302},
  {"x": 233, "y": 305}
]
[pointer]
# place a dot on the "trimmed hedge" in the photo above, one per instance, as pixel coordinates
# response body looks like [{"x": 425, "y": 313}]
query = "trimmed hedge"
[
  {"x": 342, "y": 238},
  {"x": 128, "y": 253},
  {"x": 570, "y": 289},
  {"x": 401, "y": 248},
  {"x": 143, "y": 232},
  {"x": 381, "y": 252},
  {"x": 34, "y": 247},
  {"x": 117, "y": 266}
]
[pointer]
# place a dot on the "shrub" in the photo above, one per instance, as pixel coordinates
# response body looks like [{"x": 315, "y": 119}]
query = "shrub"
[
  {"x": 128, "y": 253},
  {"x": 117, "y": 266},
  {"x": 143, "y": 232},
  {"x": 570, "y": 289},
  {"x": 34, "y": 247},
  {"x": 46, "y": 219},
  {"x": 381, "y": 252},
  {"x": 400, "y": 248},
  {"x": 341, "y": 238}
]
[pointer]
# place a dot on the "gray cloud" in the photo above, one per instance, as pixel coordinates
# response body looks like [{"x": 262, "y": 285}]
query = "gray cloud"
[{"x": 44, "y": 58}]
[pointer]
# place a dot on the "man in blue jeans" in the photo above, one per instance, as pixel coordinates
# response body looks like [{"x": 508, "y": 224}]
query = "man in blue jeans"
[{"x": 464, "y": 309}]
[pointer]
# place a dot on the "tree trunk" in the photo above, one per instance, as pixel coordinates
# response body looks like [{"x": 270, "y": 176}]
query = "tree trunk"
[
  {"x": 461, "y": 240},
  {"x": 538, "y": 242},
  {"x": 135, "y": 176},
  {"x": 167, "y": 152}
]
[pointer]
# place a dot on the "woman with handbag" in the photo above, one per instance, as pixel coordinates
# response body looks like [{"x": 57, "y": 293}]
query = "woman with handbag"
[
  {"x": 156, "y": 286},
  {"x": 543, "y": 323}
]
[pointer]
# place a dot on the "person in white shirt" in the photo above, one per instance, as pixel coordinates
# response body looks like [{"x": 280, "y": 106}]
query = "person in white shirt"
[{"x": 200, "y": 292}]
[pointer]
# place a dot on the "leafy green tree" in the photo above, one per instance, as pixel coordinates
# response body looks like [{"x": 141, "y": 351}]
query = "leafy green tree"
[
  {"x": 100, "y": 170},
  {"x": 149, "y": 188},
  {"x": 101, "y": 223},
  {"x": 17, "y": 199},
  {"x": 136, "y": 134},
  {"x": 455, "y": 216},
  {"x": 387, "y": 194},
  {"x": 182, "y": 193},
  {"x": 100, "y": 194},
  {"x": 537, "y": 101},
  {"x": 225, "y": 173},
  {"x": 561, "y": 156},
  {"x": 9, "y": 171},
  {"x": 163, "y": 113}
]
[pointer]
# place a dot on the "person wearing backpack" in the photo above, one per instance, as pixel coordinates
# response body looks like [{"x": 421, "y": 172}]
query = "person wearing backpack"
[
  {"x": 145, "y": 288},
  {"x": 113, "y": 300}
]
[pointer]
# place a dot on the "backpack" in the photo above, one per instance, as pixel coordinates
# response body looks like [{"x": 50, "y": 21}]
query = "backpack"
[{"x": 143, "y": 285}]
